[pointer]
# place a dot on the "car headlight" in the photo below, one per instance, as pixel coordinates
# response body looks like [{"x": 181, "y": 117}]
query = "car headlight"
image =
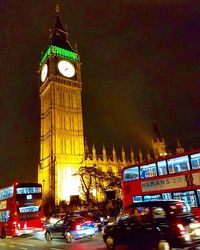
[
  {"x": 101, "y": 219},
  {"x": 51, "y": 221},
  {"x": 187, "y": 237}
]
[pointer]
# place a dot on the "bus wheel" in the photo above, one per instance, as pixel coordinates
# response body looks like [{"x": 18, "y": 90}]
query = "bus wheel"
[
  {"x": 68, "y": 237},
  {"x": 110, "y": 243},
  {"x": 48, "y": 236},
  {"x": 163, "y": 245},
  {"x": 3, "y": 233}
]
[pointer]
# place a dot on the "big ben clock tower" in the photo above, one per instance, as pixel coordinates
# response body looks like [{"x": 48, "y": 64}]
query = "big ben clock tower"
[{"x": 61, "y": 139}]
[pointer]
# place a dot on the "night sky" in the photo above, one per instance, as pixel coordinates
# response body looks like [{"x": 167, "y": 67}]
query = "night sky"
[{"x": 140, "y": 62}]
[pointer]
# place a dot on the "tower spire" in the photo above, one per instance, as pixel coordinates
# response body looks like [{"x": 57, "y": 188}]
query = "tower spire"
[
  {"x": 94, "y": 154},
  {"x": 59, "y": 35},
  {"x": 179, "y": 148},
  {"x": 86, "y": 148},
  {"x": 57, "y": 8},
  {"x": 132, "y": 157},
  {"x": 140, "y": 155},
  {"x": 156, "y": 131},
  {"x": 114, "y": 154},
  {"x": 123, "y": 155},
  {"x": 104, "y": 153},
  {"x": 158, "y": 143}
]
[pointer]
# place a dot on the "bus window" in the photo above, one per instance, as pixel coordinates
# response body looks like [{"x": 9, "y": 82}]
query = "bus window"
[
  {"x": 137, "y": 198},
  {"x": 198, "y": 195},
  {"x": 152, "y": 197},
  {"x": 166, "y": 196},
  {"x": 179, "y": 164},
  {"x": 29, "y": 190},
  {"x": 179, "y": 207},
  {"x": 147, "y": 171},
  {"x": 187, "y": 196},
  {"x": 195, "y": 161},
  {"x": 4, "y": 216},
  {"x": 131, "y": 174},
  {"x": 162, "y": 167},
  {"x": 6, "y": 193}
]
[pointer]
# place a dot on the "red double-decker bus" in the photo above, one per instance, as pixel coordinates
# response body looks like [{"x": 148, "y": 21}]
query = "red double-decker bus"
[
  {"x": 170, "y": 177},
  {"x": 21, "y": 210}
]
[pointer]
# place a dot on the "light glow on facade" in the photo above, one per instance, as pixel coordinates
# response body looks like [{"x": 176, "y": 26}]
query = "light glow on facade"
[
  {"x": 69, "y": 183},
  {"x": 62, "y": 140}
]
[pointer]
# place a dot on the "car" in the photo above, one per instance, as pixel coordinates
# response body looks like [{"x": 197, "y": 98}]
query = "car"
[
  {"x": 56, "y": 217},
  {"x": 99, "y": 217},
  {"x": 95, "y": 215},
  {"x": 154, "y": 224},
  {"x": 69, "y": 228}
]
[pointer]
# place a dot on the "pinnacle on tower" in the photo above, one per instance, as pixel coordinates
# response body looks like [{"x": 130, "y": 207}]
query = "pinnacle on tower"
[
  {"x": 148, "y": 156},
  {"x": 59, "y": 36},
  {"x": 86, "y": 148},
  {"x": 94, "y": 155},
  {"x": 123, "y": 154},
  {"x": 156, "y": 132},
  {"x": 57, "y": 8},
  {"x": 114, "y": 154},
  {"x": 179, "y": 148},
  {"x": 140, "y": 155},
  {"x": 104, "y": 153},
  {"x": 158, "y": 143},
  {"x": 132, "y": 157}
]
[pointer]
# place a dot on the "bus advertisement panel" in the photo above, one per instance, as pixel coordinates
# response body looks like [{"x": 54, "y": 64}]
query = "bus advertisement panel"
[
  {"x": 21, "y": 209},
  {"x": 169, "y": 177}
]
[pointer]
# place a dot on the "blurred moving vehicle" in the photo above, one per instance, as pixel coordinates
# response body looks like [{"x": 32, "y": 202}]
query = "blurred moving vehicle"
[
  {"x": 21, "y": 209},
  {"x": 94, "y": 215},
  {"x": 72, "y": 227},
  {"x": 56, "y": 217},
  {"x": 160, "y": 225}
]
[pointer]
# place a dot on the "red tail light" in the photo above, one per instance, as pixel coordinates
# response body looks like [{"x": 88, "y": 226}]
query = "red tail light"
[
  {"x": 16, "y": 225},
  {"x": 179, "y": 204},
  {"x": 78, "y": 227},
  {"x": 181, "y": 229}
]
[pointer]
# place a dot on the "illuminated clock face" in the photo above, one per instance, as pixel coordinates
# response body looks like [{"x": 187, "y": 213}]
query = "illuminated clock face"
[
  {"x": 66, "y": 68},
  {"x": 44, "y": 72}
]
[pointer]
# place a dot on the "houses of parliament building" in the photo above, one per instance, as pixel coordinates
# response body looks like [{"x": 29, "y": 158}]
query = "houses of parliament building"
[{"x": 63, "y": 149}]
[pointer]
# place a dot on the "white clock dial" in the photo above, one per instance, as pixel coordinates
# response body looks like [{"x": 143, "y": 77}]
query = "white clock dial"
[
  {"x": 44, "y": 72},
  {"x": 66, "y": 68}
]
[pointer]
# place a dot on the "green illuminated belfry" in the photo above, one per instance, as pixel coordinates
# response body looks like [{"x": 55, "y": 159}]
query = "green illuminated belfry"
[{"x": 59, "y": 42}]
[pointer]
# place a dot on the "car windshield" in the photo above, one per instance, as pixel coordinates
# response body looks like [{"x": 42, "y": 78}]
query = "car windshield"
[
  {"x": 77, "y": 220},
  {"x": 179, "y": 208},
  {"x": 141, "y": 212}
]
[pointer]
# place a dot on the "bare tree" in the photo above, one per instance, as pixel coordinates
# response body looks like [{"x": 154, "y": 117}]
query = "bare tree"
[
  {"x": 87, "y": 179},
  {"x": 93, "y": 178}
]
